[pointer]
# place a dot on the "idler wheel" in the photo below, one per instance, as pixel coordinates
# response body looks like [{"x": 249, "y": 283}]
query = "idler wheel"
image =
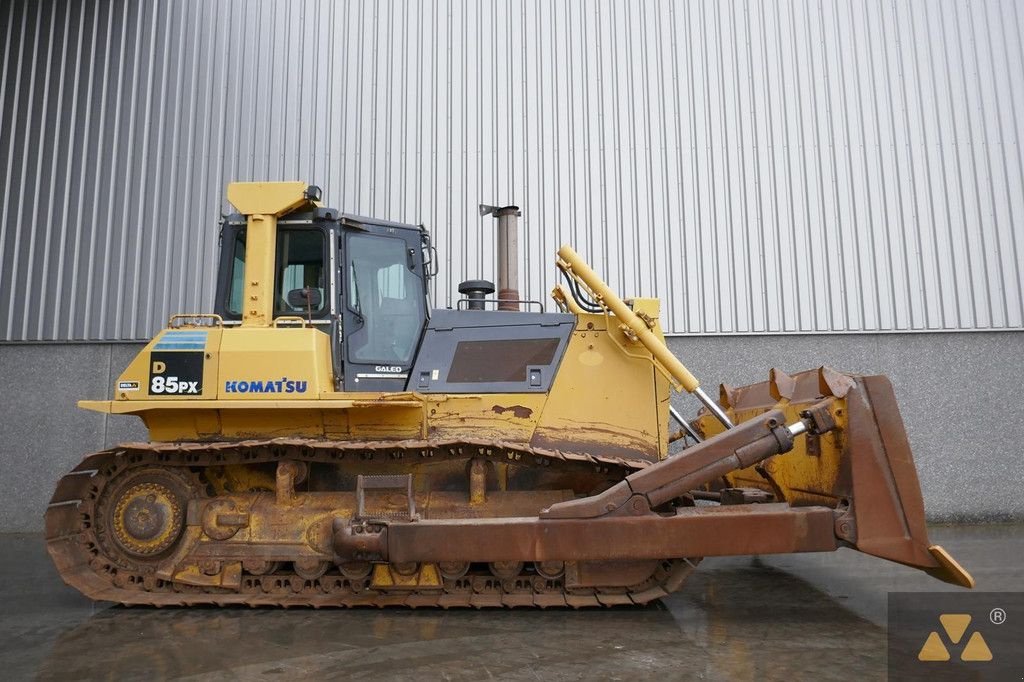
[
  {"x": 310, "y": 569},
  {"x": 355, "y": 570},
  {"x": 148, "y": 517},
  {"x": 259, "y": 566},
  {"x": 549, "y": 570},
  {"x": 506, "y": 570},
  {"x": 405, "y": 568},
  {"x": 453, "y": 570}
]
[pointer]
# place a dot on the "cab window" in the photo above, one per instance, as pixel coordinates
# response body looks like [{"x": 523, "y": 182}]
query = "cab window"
[
  {"x": 299, "y": 285},
  {"x": 237, "y": 274},
  {"x": 299, "y": 280},
  {"x": 386, "y": 296}
]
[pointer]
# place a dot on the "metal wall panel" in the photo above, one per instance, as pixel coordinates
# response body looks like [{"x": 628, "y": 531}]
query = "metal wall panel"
[{"x": 763, "y": 167}]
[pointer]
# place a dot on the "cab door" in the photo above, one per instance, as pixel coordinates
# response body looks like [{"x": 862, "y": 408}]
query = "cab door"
[{"x": 384, "y": 307}]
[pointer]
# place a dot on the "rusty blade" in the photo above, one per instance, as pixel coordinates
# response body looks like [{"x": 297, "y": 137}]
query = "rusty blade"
[
  {"x": 875, "y": 479},
  {"x": 887, "y": 503}
]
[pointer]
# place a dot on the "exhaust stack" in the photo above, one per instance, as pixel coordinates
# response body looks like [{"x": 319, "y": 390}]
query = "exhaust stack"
[{"x": 508, "y": 254}]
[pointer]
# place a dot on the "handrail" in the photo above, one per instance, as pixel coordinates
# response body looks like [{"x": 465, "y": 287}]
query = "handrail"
[
  {"x": 192, "y": 320},
  {"x": 290, "y": 319}
]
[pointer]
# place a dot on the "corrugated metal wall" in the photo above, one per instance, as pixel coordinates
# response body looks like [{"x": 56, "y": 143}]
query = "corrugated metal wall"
[{"x": 761, "y": 166}]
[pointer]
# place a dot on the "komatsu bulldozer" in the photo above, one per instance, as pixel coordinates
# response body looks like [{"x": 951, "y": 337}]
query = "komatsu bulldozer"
[{"x": 325, "y": 439}]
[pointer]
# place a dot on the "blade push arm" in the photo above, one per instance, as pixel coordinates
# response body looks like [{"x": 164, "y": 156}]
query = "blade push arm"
[{"x": 738, "y": 448}]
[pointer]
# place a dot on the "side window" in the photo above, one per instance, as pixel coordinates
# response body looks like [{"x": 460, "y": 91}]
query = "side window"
[
  {"x": 300, "y": 270},
  {"x": 237, "y": 274}
]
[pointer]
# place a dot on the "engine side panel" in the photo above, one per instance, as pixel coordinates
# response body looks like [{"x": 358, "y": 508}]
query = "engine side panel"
[{"x": 487, "y": 351}]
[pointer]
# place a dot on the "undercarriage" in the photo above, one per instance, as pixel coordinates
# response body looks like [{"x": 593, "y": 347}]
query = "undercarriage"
[{"x": 248, "y": 523}]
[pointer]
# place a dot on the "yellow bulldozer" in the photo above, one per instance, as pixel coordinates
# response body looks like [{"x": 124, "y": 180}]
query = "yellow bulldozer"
[{"x": 325, "y": 439}]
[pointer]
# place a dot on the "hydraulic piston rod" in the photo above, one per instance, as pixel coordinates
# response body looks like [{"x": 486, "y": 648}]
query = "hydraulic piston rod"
[{"x": 685, "y": 424}]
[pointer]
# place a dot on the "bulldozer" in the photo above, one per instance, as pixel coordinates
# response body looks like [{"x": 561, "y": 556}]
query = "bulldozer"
[{"x": 324, "y": 438}]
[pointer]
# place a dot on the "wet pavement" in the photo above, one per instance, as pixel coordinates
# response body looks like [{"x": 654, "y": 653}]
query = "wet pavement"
[{"x": 787, "y": 617}]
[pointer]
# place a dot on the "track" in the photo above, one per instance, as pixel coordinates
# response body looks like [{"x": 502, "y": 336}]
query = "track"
[{"x": 87, "y": 559}]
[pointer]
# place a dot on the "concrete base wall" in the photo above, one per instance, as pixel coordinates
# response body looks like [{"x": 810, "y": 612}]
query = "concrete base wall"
[
  {"x": 43, "y": 434},
  {"x": 957, "y": 393}
]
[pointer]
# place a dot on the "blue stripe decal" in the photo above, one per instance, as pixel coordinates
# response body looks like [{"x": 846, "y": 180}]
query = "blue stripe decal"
[{"x": 182, "y": 341}]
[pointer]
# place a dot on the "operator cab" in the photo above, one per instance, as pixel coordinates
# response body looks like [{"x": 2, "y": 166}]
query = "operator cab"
[{"x": 363, "y": 281}]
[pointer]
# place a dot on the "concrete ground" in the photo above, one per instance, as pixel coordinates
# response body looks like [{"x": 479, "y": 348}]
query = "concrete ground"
[{"x": 790, "y": 617}]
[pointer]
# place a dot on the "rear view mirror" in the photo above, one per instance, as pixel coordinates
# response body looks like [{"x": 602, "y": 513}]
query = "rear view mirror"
[{"x": 308, "y": 298}]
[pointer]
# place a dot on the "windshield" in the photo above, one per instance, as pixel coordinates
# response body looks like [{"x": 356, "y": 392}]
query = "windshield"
[{"x": 386, "y": 296}]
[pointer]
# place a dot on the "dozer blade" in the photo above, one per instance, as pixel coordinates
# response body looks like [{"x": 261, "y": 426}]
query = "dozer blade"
[{"x": 864, "y": 468}]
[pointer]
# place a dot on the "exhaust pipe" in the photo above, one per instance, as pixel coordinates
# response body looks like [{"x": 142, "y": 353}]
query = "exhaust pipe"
[{"x": 508, "y": 254}]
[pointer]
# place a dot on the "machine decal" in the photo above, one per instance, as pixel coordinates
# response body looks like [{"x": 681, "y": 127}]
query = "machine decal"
[
  {"x": 283, "y": 385},
  {"x": 176, "y": 372},
  {"x": 184, "y": 340},
  {"x": 127, "y": 385},
  {"x": 387, "y": 368}
]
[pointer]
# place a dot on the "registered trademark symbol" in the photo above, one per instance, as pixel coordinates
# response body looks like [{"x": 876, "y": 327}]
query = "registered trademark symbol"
[{"x": 997, "y": 616}]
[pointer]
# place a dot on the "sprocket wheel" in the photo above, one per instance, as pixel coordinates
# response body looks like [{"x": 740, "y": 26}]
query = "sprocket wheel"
[{"x": 143, "y": 511}]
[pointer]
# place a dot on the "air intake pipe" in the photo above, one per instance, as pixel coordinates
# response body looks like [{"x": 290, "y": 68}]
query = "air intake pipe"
[{"x": 476, "y": 292}]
